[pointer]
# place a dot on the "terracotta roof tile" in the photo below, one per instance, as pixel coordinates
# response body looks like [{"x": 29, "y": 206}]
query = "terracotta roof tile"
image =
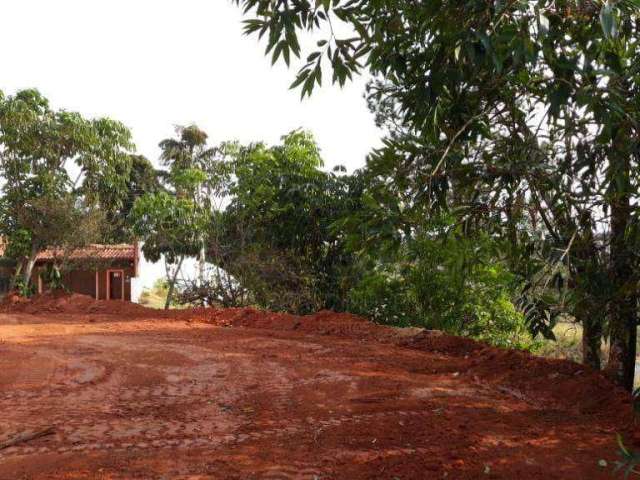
[
  {"x": 101, "y": 252},
  {"x": 95, "y": 251}
]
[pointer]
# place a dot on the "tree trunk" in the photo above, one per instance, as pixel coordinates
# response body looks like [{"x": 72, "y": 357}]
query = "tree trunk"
[
  {"x": 202, "y": 260},
  {"x": 172, "y": 283},
  {"x": 591, "y": 340},
  {"x": 14, "y": 278},
  {"x": 589, "y": 309},
  {"x": 28, "y": 266},
  {"x": 623, "y": 315}
]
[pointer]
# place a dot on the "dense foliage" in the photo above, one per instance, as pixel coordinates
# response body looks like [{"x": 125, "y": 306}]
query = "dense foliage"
[
  {"x": 524, "y": 114},
  {"x": 172, "y": 221},
  {"x": 287, "y": 235},
  {"x": 452, "y": 284},
  {"x": 41, "y": 204},
  {"x": 276, "y": 234}
]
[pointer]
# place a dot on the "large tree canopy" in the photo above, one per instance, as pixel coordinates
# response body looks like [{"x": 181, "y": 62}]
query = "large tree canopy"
[
  {"x": 276, "y": 234},
  {"x": 173, "y": 221},
  {"x": 525, "y": 114},
  {"x": 143, "y": 179},
  {"x": 50, "y": 157}
]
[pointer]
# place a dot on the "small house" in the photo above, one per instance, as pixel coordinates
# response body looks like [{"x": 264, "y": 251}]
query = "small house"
[{"x": 104, "y": 272}]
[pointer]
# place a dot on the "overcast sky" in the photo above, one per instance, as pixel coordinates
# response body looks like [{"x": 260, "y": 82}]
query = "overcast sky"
[{"x": 153, "y": 64}]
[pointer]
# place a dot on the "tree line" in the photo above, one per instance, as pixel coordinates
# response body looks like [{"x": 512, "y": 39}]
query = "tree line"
[{"x": 269, "y": 225}]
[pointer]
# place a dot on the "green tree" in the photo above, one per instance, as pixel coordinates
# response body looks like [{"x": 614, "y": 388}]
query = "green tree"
[
  {"x": 277, "y": 234},
  {"x": 143, "y": 178},
  {"x": 39, "y": 149},
  {"x": 503, "y": 101},
  {"x": 191, "y": 165},
  {"x": 173, "y": 222},
  {"x": 171, "y": 228}
]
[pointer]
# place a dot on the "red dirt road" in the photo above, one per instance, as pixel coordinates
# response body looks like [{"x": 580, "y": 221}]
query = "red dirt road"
[{"x": 326, "y": 397}]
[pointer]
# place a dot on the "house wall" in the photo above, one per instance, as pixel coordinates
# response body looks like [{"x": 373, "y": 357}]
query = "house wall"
[{"x": 84, "y": 281}]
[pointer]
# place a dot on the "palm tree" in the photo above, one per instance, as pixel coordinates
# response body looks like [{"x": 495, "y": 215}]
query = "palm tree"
[{"x": 190, "y": 162}]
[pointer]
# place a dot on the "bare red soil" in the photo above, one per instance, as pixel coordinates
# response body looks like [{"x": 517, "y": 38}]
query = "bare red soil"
[{"x": 133, "y": 393}]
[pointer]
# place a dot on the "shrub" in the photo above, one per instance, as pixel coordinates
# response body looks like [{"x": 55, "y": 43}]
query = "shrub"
[
  {"x": 455, "y": 285},
  {"x": 386, "y": 298}
]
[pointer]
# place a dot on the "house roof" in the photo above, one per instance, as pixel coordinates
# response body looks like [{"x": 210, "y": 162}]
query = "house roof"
[
  {"x": 93, "y": 252},
  {"x": 122, "y": 251}
]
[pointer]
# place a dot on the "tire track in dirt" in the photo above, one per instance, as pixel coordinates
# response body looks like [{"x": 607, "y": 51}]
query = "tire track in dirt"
[{"x": 107, "y": 437}]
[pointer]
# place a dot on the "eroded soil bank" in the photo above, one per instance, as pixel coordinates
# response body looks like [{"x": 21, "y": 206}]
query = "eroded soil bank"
[{"x": 243, "y": 394}]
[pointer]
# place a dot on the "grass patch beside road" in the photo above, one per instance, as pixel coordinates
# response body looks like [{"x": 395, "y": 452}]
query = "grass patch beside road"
[{"x": 156, "y": 296}]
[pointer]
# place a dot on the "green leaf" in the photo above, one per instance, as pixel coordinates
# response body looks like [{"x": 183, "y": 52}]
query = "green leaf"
[{"x": 302, "y": 76}]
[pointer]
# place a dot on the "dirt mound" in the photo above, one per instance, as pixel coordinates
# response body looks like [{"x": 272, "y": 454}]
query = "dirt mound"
[
  {"x": 12, "y": 302},
  {"x": 543, "y": 382},
  {"x": 321, "y": 323},
  {"x": 552, "y": 383},
  {"x": 437, "y": 342},
  {"x": 71, "y": 303},
  {"x": 50, "y": 302}
]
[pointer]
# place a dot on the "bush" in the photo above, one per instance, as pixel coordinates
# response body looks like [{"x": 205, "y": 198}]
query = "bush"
[
  {"x": 386, "y": 298},
  {"x": 455, "y": 285}
]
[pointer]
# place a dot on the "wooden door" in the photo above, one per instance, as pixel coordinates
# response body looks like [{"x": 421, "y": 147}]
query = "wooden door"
[{"x": 115, "y": 284}]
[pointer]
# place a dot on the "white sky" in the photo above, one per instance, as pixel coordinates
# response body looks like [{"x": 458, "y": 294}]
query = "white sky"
[{"x": 153, "y": 64}]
